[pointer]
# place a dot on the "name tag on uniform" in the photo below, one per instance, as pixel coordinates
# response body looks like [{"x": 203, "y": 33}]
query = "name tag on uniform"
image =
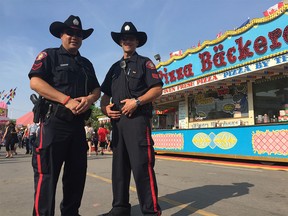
[{"x": 62, "y": 65}]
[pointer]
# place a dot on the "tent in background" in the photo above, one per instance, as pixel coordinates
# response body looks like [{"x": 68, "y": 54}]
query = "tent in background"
[{"x": 25, "y": 119}]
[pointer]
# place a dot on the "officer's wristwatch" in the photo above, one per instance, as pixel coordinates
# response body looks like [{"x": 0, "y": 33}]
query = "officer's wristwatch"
[{"x": 138, "y": 102}]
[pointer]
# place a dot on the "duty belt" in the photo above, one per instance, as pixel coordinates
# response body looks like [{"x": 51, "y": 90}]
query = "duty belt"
[
  {"x": 63, "y": 113},
  {"x": 145, "y": 109}
]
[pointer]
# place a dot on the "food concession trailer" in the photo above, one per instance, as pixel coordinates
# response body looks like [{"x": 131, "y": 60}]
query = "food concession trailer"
[{"x": 228, "y": 97}]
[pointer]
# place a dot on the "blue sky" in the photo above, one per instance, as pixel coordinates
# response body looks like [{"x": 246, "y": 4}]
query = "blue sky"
[{"x": 171, "y": 25}]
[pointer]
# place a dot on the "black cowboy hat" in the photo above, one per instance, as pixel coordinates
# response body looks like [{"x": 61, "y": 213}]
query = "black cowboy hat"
[
  {"x": 129, "y": 29},
  {"x": 73, "y": 22}
]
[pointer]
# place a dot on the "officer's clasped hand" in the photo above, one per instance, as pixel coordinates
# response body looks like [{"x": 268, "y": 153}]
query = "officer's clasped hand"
[
  {"x": 72, "y": 104},
  {"x": 83, "y": 104},
  {"x": 113, "y": 114},
  {"x": 129, "y": 106}
]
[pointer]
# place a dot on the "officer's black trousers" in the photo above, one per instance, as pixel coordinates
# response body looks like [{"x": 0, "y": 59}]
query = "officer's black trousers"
[
  {"x": 59, "y": 142},
  {"x": 133, "y": 150}
]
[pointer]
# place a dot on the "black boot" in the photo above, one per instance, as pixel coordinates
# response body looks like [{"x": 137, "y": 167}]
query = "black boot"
[{"x": 120, "y": 211}]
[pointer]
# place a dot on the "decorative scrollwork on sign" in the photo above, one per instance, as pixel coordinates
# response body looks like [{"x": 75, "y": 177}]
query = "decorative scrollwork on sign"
[{"x": 223, "y": 140}]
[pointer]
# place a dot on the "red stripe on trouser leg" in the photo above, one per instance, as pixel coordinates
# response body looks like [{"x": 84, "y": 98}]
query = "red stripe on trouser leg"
[
  {"x": 37, "y": 195},
  {"x": 150, "y": 170}
]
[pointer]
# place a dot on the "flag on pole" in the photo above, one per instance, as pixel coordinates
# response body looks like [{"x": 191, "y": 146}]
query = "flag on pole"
[
  {"x": 243, "y": 24},
  {"x": 2, "y": 93},
  {"x": 273, "y": 9},
  {"x": 9, "y": 95},
  {"x": 4, "y": 96},
  {"x": 13, "y": 92},
  {"x": 176, "y": 53},
  {"x": 219, "y": 34}
]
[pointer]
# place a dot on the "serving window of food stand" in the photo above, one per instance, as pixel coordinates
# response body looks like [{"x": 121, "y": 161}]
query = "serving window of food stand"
[
  {"x": 271, "y": 100},
  {"x": 219, "y": 103}
]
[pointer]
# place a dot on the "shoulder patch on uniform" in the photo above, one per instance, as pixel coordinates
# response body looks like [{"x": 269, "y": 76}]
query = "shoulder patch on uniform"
[
  {"x": 36, "y": 66},
  {"x": 41, "y": 56},
  {"x": 150, "y": 65}
]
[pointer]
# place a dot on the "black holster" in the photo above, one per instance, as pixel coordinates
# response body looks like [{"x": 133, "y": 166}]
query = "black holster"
[{"x": 38, "y": 107}]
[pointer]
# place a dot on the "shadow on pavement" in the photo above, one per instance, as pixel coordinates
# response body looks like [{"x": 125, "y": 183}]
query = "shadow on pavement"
[{"x": 200, "y": 198}]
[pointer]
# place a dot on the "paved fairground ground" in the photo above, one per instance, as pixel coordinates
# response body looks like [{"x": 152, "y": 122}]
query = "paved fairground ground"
[{"x": 187, "y": 186}]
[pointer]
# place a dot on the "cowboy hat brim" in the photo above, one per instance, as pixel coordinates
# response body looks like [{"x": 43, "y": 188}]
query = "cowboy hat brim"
[
  {"x": 56, "y": 28},
  {"x": 141, "y": 37}
]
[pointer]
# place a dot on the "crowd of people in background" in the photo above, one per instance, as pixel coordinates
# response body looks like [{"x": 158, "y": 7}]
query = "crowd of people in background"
[
  {"x": 13, "y": 137},
  {"x": 98, "y": 139},
  {"x": 24, "y": 137}
]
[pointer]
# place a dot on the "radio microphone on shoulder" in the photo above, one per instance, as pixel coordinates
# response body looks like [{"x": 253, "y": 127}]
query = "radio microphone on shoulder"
[{"x": 123, "y": 64}]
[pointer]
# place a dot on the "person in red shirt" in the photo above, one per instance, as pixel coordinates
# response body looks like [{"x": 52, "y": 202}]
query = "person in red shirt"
[{"x": 102, "y": 137}]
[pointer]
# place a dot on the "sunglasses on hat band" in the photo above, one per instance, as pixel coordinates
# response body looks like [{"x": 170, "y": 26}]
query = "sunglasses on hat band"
[{"x": 72, "y": 32}]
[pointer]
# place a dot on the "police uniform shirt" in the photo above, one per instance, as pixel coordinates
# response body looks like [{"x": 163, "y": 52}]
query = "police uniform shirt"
[
  {"x": 139, "y": 76},
  {"x": 71, "y": 75}
]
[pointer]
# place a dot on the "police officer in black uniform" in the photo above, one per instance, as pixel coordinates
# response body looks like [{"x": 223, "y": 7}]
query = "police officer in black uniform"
[
  {"x": 67, "y": 85},
  {"x": 133, "y": 84}
]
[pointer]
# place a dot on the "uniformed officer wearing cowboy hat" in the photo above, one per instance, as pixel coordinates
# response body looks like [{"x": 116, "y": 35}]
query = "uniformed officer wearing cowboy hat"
[
  {"x": 67, "y": 82},
  {"x": 133, "y": 84}
]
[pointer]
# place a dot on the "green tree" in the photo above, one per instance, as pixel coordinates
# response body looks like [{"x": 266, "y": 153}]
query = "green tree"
[{"x": 96, "y": 113}]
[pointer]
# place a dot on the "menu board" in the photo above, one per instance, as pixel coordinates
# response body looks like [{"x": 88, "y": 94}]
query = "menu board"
[{"x": 182, "y": 115}]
